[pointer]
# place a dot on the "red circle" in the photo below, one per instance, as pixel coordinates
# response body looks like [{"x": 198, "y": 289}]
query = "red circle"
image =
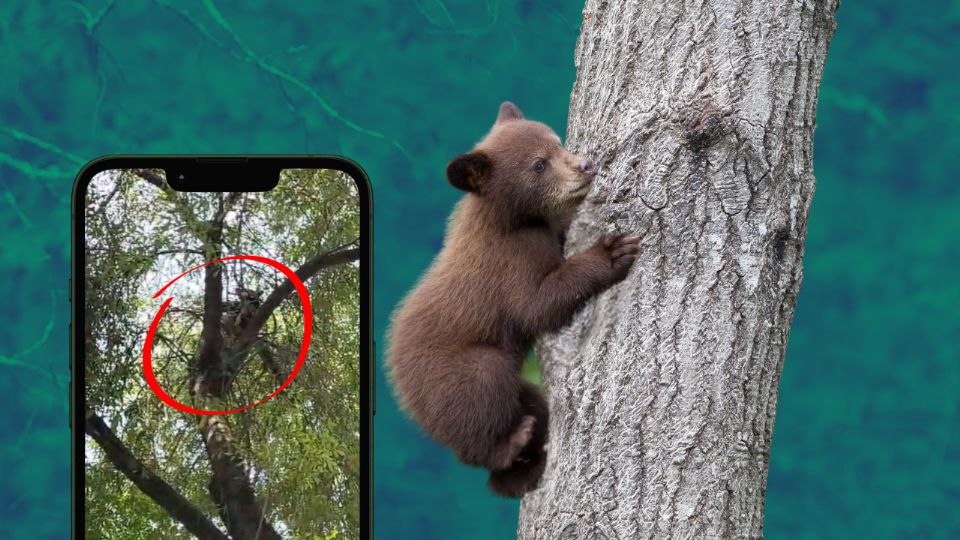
[{"x": 148, "y": 344}]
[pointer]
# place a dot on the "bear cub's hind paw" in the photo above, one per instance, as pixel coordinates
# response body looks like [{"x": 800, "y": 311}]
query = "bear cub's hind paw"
[{"x": 518, "y": 440}]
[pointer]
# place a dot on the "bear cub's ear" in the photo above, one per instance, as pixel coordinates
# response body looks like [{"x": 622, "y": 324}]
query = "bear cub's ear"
[
  {"x": 467, "y": 171},
  {"x": 509, "y": 111}
]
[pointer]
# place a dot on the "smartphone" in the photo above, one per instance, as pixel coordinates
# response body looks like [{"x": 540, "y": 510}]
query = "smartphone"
[{"x": 220, "y": 348}]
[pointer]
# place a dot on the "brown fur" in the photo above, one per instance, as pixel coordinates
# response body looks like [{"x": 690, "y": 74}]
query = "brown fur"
[{"x": 459, "y": 339}]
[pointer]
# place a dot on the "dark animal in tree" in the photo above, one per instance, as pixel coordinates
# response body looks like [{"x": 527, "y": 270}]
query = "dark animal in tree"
[{"x": 237, "y": 312}]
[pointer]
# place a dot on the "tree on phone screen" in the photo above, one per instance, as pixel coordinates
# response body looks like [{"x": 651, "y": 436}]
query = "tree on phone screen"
[{"x": 287, "y": 468}]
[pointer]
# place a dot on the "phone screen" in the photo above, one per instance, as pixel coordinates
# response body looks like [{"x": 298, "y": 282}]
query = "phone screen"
[{"x": 218, "y": 381}]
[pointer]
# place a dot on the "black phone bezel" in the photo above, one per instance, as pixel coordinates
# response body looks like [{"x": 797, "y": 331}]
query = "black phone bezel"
[{"x": 220, "y": 173}]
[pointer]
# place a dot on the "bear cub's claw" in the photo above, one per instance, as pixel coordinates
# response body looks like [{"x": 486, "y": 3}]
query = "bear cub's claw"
[{"x": 619, "y": 251}]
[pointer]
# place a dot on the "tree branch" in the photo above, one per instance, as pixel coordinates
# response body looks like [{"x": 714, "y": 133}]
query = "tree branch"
[
  {"x": 178, "y": 507},
  {"x": 153, "y": 177},
  {"x": 340, "y": 255},
  {"x": 105, "y": 203}
]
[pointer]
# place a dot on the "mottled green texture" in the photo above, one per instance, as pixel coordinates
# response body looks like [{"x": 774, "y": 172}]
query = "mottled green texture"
[
  {"x": 867, "y": 436},
  {"x": 866, "y": 441}
]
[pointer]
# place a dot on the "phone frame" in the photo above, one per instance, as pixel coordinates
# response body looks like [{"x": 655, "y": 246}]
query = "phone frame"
[{"x": 219, "y": 171}]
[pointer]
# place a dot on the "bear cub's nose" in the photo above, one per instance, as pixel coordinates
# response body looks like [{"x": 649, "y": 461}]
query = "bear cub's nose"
[{"x": 588, "y": 168}]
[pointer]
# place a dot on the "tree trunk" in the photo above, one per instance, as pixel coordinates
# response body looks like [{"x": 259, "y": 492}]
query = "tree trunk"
[
  {"x": 230, "y": 488},
  {"x": 663, "y": 391}
]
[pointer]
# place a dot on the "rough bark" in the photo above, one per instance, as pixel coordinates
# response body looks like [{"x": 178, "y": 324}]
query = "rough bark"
[
  {"x": 662, "y": 392},
  {"x": 230, "y": 487}
]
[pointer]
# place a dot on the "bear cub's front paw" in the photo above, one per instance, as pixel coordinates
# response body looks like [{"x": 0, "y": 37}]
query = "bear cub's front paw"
[{"x": 618, "y": 251}]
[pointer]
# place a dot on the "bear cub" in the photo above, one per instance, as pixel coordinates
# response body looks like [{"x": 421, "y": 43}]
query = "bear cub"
[{"x": 458, "y": 341}]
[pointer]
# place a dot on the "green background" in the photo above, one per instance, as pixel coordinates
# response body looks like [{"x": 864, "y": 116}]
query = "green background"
[{"x": 866, "y": 441}]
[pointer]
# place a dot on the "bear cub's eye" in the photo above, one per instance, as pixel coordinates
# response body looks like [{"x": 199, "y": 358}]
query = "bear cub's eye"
[{"x": 540, "y": 166}]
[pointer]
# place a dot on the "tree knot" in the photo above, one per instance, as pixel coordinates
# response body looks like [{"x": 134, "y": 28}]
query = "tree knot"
[{"x": 703, "y": 124}]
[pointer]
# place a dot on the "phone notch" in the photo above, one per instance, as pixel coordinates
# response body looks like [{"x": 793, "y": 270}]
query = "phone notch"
[{"x": 223, "y": 173}]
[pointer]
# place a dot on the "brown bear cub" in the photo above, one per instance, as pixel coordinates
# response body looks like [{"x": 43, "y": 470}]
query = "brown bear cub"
[{"x": 459, "y": 339}]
